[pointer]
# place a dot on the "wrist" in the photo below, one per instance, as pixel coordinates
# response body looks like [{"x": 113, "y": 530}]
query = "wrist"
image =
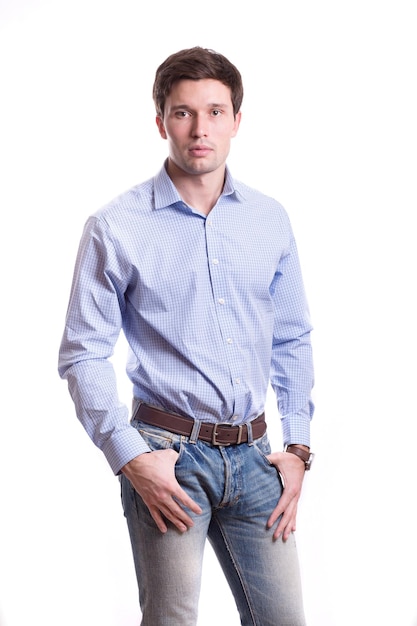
[{"x": 303, "y": 453}]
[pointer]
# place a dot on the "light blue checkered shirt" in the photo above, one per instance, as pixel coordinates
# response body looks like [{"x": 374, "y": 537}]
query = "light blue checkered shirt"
[{"x": 212, "y": 308}]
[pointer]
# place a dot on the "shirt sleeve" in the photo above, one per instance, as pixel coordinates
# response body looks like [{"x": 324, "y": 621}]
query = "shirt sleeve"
[
  {"x": 93, "y": 325},
  {"x": 292, "y": 376}
]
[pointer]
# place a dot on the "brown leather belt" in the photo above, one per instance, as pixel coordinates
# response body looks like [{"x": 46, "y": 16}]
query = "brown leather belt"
[{"x": 216, "y": 434}]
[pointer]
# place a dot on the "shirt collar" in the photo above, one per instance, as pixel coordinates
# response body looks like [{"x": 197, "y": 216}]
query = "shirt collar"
[{"x": 166, "y": 194}]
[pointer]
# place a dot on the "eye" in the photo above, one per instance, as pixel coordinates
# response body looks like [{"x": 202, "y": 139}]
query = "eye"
[
  {"x": 182, "y": 114},
  {"x": 216, "y": 112}
]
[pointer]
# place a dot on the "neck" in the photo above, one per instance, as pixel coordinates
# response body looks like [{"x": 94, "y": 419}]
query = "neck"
[{"x": 201, "y": 192}]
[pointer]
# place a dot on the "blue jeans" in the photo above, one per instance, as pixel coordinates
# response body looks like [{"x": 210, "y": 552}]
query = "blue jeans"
[{"x": 237, "y": 489}]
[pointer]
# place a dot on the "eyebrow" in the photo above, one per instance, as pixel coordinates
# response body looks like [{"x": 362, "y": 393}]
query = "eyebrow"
[{"x": 212, "y": 105}]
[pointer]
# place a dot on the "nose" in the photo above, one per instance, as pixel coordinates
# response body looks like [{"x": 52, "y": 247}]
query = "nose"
[{"x": 199, "y": 129}]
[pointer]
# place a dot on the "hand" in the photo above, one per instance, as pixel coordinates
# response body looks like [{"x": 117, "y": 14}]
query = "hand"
[
  {"x": 153, "y": 476},
  {"x": 292, "y": 471}
]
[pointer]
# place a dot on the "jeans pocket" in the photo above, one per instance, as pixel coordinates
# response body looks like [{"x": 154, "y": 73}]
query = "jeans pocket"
[
  {"x": 263, "y": 447},
  {"x": 158, "y": 438}
]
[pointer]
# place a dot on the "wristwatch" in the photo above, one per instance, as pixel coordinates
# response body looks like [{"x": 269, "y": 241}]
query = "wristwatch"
[{"x": 304, "y": 455}]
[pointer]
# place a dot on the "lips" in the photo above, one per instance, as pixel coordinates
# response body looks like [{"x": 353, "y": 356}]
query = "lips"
[{"x": 200, "y": 150}]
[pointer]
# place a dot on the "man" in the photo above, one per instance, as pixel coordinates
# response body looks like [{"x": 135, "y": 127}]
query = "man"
[{"x": 202, "y": 275}]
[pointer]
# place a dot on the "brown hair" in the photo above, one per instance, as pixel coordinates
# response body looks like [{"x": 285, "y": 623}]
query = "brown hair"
[{"x": 196, "y": 64}]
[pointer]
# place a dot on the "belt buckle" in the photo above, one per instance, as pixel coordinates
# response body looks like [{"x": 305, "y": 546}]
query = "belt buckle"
[{"x": 215, "y": 433}]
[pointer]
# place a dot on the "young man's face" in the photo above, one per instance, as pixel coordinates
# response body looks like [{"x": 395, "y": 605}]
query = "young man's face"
[{"x": 198, "y": 124}]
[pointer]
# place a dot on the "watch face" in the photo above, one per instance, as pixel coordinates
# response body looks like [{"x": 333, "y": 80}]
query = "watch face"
[{"x": 310, "y": 460}]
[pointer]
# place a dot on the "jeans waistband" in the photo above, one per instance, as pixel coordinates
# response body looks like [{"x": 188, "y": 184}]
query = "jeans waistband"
[{"x": 220, "y": 434}]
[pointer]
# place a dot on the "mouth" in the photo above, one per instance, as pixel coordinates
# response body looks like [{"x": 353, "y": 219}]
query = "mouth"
[{"x": 199, "y": 150}]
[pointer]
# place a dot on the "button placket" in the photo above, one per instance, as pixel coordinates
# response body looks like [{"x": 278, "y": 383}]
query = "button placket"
[{"x": 225, "y": 318}]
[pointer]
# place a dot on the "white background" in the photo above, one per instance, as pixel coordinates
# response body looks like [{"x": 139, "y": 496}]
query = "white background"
[{"x": 329, "y": 129}]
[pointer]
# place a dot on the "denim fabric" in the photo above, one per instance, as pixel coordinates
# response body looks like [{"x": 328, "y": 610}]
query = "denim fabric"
[{"x": 237, "y": 489}]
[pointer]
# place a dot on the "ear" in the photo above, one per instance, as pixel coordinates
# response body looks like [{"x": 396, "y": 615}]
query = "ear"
[
  {"x": 161, "y": 127},
  {"x": 236, "y": 124}
]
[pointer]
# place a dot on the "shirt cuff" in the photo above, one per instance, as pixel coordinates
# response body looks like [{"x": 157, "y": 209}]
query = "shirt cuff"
[
  {"x": 296, "y": 429},
  {"x": 123, "y": 446}
]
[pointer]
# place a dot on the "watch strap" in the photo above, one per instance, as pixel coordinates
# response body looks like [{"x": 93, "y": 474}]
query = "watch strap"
[{"x": 302, "y": 454}]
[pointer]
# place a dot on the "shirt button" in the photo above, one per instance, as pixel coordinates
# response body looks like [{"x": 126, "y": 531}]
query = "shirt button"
[
  {"x": 215, "y": 261},
  {"x": 229, "y": 340},
  {"x": 220, "y": 300},
  {"x": 237, "y": 381},
  {"x": 234, "y": 417}
]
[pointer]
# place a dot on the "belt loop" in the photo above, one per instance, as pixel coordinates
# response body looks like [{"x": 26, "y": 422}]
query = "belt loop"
[
  {"x": 136, "y": 402},
  {"x": 195, "y": 431},
  {"x": 250, "y": 433}
]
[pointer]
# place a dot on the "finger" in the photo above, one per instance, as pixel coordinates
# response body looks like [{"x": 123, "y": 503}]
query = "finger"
[
  {"x": 280, "y": 528},
  {"x": 158, "y": 519},
  {"x": 286, "y": 524},
  {"x": 284, "y": 527},
  {"x": 176, "y": 516},
  {"x": 279, "y": 510},
  {"x": 273, "y": 517},
  {"x": 282, "y": 533},
  {"x": 182, "y": 497}
]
